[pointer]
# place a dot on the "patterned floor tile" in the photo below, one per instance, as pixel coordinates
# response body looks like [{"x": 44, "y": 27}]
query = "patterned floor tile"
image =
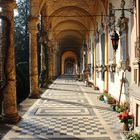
[{"x": 63, "y": 113}]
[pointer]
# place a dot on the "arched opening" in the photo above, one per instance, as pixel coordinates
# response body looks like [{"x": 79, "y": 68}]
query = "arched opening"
[
  {"x": 69, "y": 63},
  {"x": 69, "y": 67}
]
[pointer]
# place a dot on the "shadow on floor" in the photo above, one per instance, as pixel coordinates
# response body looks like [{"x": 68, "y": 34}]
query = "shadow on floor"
[
  {"x": 77, "y": 104},
  {"x": 36, "y": 129},
  {"x": 73, "y": 90}
]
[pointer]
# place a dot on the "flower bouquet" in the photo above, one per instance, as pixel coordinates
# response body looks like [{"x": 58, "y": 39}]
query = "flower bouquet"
[{"x": 126, "y": 118}]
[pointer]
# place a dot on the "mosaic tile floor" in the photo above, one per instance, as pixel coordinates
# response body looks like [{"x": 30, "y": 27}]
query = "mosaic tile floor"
[{"x": 62, "y": 114}]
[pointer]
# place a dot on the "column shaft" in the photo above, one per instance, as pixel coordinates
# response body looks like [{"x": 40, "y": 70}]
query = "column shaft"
[
  {"x": 33, "y": 56},
  {"x": 9, "y": 92}
]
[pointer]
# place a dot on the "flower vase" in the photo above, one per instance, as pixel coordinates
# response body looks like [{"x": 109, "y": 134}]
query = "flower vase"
[{"x": 125, "y": 127}]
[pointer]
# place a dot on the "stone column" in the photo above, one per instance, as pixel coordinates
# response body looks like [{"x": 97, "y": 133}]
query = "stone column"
[
  {"x": 33, "y": 58},
  {"x": 10, "y": 113}
]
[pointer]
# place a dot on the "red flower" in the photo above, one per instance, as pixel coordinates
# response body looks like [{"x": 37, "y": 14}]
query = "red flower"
[{"x": 126, "y": 117}]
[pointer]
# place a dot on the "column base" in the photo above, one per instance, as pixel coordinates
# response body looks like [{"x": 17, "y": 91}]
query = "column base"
[
  {"x": 34, "y": 96},
  {"x": 11, "y": 118}
]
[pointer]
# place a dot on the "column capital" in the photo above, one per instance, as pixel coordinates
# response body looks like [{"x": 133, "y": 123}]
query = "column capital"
[
  {"x": 32, "y": 24},
  {"x": 7, "y": 9},
  {"x": 8, "y": 5}
]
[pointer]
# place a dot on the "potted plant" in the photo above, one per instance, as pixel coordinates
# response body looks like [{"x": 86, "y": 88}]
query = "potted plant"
[
  {"x": 96, "y": 88},
  {"x": 126, "y": 118},
  {"x": 101, "y": 97}
]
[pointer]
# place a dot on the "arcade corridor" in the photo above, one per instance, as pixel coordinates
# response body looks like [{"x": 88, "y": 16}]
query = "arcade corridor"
[
  {"x": 63, "y": 54},
  {"x": 68, "y": 110}
]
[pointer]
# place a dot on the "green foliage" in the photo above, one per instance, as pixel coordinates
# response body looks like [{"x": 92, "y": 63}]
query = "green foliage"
[
  {"x": 22, "y": 77},
  {"x": 133, "y": 136},
  {"x": 21, "y": 34},
  {"x": 22, "y": 49},
  {"x": 46, "y": 63},
  {"x": 101, "y": 97},
  {"x": 121, "y": 108},
  {"x": 107, "y": 98}
]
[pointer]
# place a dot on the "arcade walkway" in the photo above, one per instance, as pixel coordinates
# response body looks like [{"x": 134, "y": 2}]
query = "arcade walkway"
[{"x": 68, "y": 110}]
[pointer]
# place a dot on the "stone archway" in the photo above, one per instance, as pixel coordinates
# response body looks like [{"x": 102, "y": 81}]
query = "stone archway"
[
  {"x": 68, "y": 63},
  {"x": 69, "y": 67}
]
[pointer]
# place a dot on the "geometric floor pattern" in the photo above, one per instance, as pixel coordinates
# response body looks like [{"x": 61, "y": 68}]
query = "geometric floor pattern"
[
  {"x": 53, "y": 126},
  {"x": 63, "y": 112}
]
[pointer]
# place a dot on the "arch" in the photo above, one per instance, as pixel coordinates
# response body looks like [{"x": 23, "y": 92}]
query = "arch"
[
  {"x": 67, "y": 55},
  {"x": 105, "y": 5},
  {"x": 71, "y": 32},
  {"x": 80, "y": 10},
  {"x": 70, "y": 8},
  {"x": 69, "y": 66},
  {"x": 67, "y": 25},
  {"x": 71, "y": 38},
  {"x": 36, "y": 6},
  {"x": 72, "y": 22}
]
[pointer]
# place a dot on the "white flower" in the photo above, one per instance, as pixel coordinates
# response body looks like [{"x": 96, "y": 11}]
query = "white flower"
[{"x": 130, "y": 114}]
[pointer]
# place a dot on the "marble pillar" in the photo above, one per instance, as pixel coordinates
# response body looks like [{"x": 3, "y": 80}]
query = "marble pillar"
[{"x": 9, "y": 109}]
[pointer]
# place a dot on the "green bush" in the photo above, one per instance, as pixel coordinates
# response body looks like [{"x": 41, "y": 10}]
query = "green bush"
[
  {"x": 101, "y": 97},
  {"x": 121, "y": 108},
  {"x": 133, "y": 136},
  {"x": 109, "y": 99}
]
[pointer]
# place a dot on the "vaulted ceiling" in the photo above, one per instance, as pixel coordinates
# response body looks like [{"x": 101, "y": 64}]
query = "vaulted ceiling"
[{"x": 67, "y": 18}]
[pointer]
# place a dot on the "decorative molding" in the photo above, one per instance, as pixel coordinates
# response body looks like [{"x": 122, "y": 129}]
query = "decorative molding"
[
  {"x": 112, "y": 67},
  {"x": 136, "y": 62},
  {"x": 137, "y": 46},
  {"x": 102, "y": 27},
  {"x": 123, "y": 25},
  {"x": 123, "y": 65},
  {"x": 111, "y": 18}
]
